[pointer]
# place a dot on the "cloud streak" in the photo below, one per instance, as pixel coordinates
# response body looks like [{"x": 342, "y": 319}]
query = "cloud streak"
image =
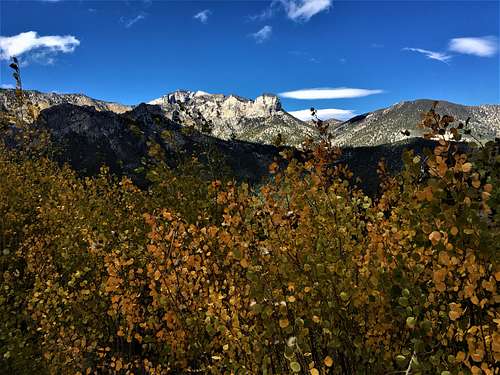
[
  {"x": 263, "y": 34},
  {"x": 266, "y": 14},
  {"x": 295, "y": 10},
  {"x": 203, "y": 15},
  {"x": 31, "y": 42},
  {"x": 303, "y": 10},
  {"x": 329, "y": 93},
  {"x": 324, "y": 114},
  {"x": 131, "y": 22},
  {"x": 486, "y": 46},
  {"x": 433, "y": 55}
]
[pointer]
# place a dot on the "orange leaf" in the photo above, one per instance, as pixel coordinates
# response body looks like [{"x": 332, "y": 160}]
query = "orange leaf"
[
  {"x": 435, "y": 237},
  {"x": 328, "y": 361}
]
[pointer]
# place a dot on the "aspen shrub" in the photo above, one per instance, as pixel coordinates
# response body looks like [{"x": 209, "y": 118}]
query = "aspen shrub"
[{"x": 305, "y": 274}]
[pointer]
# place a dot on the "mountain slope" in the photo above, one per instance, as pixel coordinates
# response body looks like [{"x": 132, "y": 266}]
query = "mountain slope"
[
  {"x": 41, "y": 101},
  {"x": 386, "y": 125},
  {"x": 87, "y": 139},
  {"x": 263, "y": 119},
  {"x": 234, "y": 117}
]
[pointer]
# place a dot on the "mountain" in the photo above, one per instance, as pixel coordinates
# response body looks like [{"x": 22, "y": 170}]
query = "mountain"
[
  {"x": 86, "y": 139},
  {"x": 230, "y": 117},
  {"x": 385, "y": 126},
  {"x": 129, "y": 142},
  {"x": 234, "y": 117},
  {"x": 40, "y": 101}
]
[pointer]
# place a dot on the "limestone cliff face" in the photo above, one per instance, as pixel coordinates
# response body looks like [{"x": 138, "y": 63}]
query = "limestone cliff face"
[{"x": 234, "y": 117}]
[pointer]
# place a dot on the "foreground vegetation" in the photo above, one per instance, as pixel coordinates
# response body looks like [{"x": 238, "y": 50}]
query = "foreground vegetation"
[{"x": 305, "y": 274}]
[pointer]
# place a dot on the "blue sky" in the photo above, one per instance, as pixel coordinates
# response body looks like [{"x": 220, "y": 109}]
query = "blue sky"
[{"x": 362, "y": 55}]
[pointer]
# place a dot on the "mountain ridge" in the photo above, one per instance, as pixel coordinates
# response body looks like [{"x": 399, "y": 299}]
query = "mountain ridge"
[{"x": 263, "y": 119}]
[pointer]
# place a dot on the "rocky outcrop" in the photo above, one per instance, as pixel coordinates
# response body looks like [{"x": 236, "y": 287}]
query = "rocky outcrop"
[{"x": 234, "y": 117}]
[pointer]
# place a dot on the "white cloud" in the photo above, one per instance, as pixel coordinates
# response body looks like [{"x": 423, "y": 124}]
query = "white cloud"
[
  {"x": 323, "y": 114},
  {"x": 264, "y": 15},
  {"x": 433, "y": 55},
  {"x": 130, "y": 22},
  {"x": 22, "y": 43},
  {"x": 486, "y": 46},
  {"x": 203, "y": 15},
  {"x": 303, "y": 10},
  {"x": 329, "y": 93},
  {"x": 7, "y": 86},
  {"x": 263, "y": 34}
]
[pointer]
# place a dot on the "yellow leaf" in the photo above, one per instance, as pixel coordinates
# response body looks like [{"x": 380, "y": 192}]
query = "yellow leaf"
[
  {"x": 454, "y": 231},
  {"x": 466, "y": 167},
  {"x": 314, "y": 371},
  {"x": 328, "y": 361},
  {"x": 284, "y": 323},
  {"x": 118, "y": 365},
  {"x": 460, "y": 357},
  {"x": 455, "y": 312}
]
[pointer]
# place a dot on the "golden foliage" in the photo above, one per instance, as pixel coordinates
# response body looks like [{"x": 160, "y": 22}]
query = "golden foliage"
[{"x": 306, "y": 274}]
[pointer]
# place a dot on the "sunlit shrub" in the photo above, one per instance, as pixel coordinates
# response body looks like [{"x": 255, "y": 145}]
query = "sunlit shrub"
[{"x": 305, "y": 274}]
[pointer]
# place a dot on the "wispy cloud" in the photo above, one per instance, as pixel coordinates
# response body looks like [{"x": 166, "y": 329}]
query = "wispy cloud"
[
  {"x": 6, "y": 86},
  {"x": 132, "y": 21},
  {"x": 486, "y": 46},
  {"x": 263, "y": 34},
  {"x": 296, "y": 10},
  {"x": 266, "y": 14},
  {"x": 433, "y": 55},
  {"x": 303, "y": 10},
  {"x": 324, "y": 114},
  {"x": 329, "y": 93},
  {"x": 41, "y": 48},
  {"x": 203, "y": 15}
]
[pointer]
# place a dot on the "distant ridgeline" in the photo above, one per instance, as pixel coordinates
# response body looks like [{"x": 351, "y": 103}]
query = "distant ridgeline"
[{"x": 90, "y": 132}]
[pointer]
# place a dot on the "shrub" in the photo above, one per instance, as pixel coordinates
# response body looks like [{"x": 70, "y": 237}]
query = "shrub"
[{"x": 305, "y": 274}]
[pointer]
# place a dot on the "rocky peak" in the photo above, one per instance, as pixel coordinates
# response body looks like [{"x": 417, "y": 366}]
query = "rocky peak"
[
  {"x": 268, "y": 102},
  {"x": 232, "y": 116},
  {"x": 263, "y": 105}
]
